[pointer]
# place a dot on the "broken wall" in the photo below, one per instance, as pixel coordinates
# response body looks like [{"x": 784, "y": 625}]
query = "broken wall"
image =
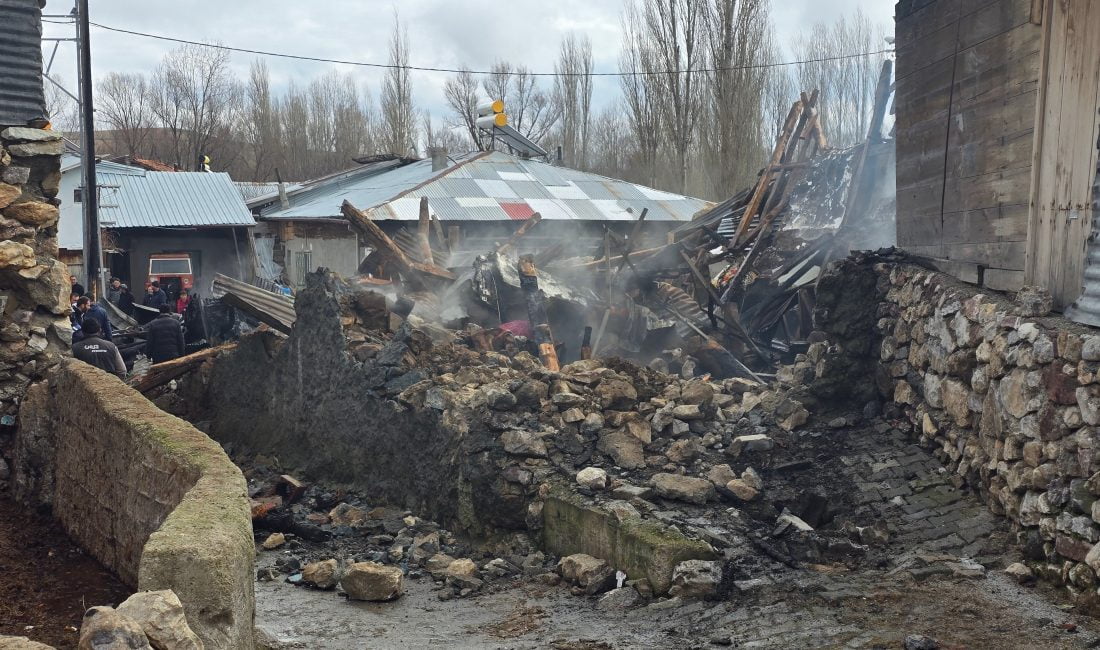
[
  {"x": 1009, "y": 403},
  {"x": 307, "y": 401},
  {"x": 145, "y": 493}
]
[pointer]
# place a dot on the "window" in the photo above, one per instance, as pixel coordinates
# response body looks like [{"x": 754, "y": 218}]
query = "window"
[
  {"x": 170, "y": 266},
  {"x": 303, "y": 264}
]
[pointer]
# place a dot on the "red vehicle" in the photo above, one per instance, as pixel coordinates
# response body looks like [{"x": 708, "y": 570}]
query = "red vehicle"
[{"x": 174, "y": 272}]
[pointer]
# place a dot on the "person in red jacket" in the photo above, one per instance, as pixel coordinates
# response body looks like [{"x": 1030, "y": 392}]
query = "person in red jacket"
[{"x": 182, "y": 301}]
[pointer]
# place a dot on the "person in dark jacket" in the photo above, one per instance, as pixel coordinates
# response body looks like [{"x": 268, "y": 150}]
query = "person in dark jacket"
[
  {"x": 92, "y": 349},
  {"x": 78, "y": 288},
  {"x": 154, "y": 296},
  {"x": 165, "y": 339},
  {"x": 125, "y": 299},
  {"x": 114, "y": 291},
  {"x": 90, "y": 311}
]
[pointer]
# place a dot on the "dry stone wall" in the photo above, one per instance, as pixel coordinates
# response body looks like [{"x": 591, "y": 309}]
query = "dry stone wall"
[
  {"x": 34, "y": 285},
  {"x": 145, "y": 493},
  {"x": 1009, "y": 403}
]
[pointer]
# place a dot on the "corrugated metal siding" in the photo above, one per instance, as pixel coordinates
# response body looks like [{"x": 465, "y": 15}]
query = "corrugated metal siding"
[
  {"x": 21, "y": 95},
  {"x": 170, "y": 199},
  {"x": 1086, "y": 309}
]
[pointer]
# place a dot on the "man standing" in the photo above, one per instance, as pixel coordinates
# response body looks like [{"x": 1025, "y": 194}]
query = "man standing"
[
  {"x": 91, "y": 311},
  {"x": 165, "y": 339},
  {"x": 78, "y": 288},
  {"x": 114, "y": 291},
  {"x": 95, "y": 351},
  {"x": 155, "y": 296}
]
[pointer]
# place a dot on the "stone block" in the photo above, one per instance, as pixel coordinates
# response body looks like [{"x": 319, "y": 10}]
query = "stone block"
[{"x": 641, "y": 548}]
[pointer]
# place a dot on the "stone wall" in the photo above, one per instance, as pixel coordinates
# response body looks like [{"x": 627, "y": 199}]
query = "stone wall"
[
  {"x": 307, "y": 401},
  {"x": 34, "y": 285},
  {"x": 144, "y": 492},
  {"x": 1009, "y": 403}
]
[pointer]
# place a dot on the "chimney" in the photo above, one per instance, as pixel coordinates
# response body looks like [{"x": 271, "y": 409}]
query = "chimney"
[
  {"x": 439, "y": 158},
  {"x": 559, "y": 159},
  {"x": 283, "y": 201}
]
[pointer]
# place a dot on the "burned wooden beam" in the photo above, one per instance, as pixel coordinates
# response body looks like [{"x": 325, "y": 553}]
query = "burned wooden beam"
[
  {"x": 381, "y": 242},
  {"x": 164, "y": 372},
  {"x": 531, "y": 222},
  {"x": 536, "y": 314}
]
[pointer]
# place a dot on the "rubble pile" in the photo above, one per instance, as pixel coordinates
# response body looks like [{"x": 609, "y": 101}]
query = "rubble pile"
[
  {"x": 332, "y": 539},
  {"x": 724, "y": 465}
]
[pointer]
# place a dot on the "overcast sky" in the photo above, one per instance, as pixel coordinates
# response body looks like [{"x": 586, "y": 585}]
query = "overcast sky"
[{"x": 442, "y": 33}]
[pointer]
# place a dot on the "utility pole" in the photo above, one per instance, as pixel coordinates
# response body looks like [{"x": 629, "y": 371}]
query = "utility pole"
[{"x": 90, "y": 191}]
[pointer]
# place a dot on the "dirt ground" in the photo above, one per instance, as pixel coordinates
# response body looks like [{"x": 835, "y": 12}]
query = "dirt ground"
[
  {"x": 989, "y": 614},
  {"x": 46, "y": 580}
]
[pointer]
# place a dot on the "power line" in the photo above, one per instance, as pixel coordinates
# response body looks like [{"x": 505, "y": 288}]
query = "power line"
[{"x": 389, "y": 66}]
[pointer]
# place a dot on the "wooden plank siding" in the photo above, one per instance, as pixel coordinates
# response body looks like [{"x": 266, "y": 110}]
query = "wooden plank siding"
[
  {"x": 967, "y": 91},
  {"x": 1065, "y": 152}
]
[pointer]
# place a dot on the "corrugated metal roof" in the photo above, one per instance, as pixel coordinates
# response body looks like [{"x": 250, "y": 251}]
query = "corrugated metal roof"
[
  {"x": 144, "y": 199},
  {"x": 22, "y": 99},
  {"x": 479, "y": 186}
]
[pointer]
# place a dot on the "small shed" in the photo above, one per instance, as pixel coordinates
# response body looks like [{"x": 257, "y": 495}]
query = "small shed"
[{"x": 147, "y": 215}]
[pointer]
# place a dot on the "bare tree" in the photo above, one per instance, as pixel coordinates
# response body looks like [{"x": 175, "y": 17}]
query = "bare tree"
[
  {"x": 261, "y": 124},
  {"x": 124, "y": 106},
  {"x": 196, "y": 99},
  {"x": 609, "y": 144},
  {"x": 641, "y": 96},
  {"x": 731, "y": 127},
  {"x": 398, "y": 114},
  {"x": 573, "y": 96},
  {"x": 675, "y": 28},
  {"x": 440, "y": 136},
  {"x": 293, "y": 111},
  {"x": 847, "y": 85},
  {"x": 460, "y": 93},
  {"x": 62, "y": 109}
]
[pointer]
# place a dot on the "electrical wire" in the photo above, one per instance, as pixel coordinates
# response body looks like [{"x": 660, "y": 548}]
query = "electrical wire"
[{"x": 390, "y": 66}]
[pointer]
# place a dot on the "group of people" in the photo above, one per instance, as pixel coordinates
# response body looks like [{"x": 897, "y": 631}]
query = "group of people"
[{"x": 93, "y": 333}]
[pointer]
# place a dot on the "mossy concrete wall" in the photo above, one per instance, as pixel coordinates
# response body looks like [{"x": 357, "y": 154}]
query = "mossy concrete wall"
[
  {"x": 641, "y": 549},
  {"x": 147, "y": 494}
]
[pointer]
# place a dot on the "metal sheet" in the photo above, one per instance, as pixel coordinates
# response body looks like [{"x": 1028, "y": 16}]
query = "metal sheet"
[
  {"x": 1086, "y": 309},
  {"x": 453, "y": 193},
  {"x": 141, "y": 199},
  {"x": 22, "y": 99}
]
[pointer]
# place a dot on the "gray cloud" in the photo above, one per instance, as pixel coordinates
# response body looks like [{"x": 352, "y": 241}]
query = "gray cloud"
[{"x": 442, "y": 33}]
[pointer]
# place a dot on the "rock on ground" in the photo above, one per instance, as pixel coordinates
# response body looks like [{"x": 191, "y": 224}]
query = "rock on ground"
[
  {"x": 372, "y": 581},
  {"x": 683, "y": 488},
  {"x": 21, "y": 643},
  {"x": 592, "y": 478},
  {"x": 322, "y": 575},
  {"x": 161, "y": 616},
  {"x": 696, "y": 579},
  {"x": 617, "y": 599},
  {"x": 105, "y": 629},
  {"x": 592, "y": 574},
  {"x": 274, "y": 541}
]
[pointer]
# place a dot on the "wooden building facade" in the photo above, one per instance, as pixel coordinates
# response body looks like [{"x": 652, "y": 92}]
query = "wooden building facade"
[{"x": 997, "y": 129}]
